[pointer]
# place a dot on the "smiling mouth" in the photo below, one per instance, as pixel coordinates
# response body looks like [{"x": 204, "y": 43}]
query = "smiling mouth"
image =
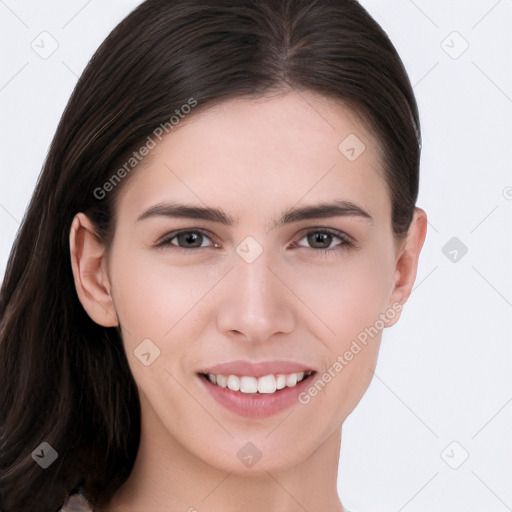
[{"x": 268, "y": 384}]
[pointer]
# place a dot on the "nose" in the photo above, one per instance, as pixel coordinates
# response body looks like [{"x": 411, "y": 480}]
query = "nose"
[{"x": 255, "y": 304}]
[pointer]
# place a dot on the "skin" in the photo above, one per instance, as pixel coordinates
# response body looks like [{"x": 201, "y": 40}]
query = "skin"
[{"x": 254, "y": 159}]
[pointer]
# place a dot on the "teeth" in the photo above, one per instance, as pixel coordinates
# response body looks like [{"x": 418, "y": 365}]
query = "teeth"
[
  {"x": 248, "y": 385},
  {"x": 291, "y": 380},
  {"x": 280, "y": 381},
  {"x": 222, "y": 380},
  {"x": 233, "y": 382},
  {"x": 267, "y": 384}
]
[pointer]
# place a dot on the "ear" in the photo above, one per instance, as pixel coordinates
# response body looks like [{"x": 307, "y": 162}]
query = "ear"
[
  {"x": 89, "y": 264},
  {"x": 406, "y": 264}
]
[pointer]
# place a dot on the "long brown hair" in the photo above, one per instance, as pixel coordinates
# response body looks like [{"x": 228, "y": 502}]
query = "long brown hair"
[{"x": 65, "y": 380}]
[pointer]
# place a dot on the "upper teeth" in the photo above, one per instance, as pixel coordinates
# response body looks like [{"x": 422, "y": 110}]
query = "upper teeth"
[{"x": 267, "y": 384}]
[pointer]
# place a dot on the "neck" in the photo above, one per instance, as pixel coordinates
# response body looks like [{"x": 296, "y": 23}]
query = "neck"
[{"x": 167, "y": 477}]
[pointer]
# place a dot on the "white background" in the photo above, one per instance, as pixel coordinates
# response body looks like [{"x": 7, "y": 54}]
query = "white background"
[{"x": 445, "y": 371}]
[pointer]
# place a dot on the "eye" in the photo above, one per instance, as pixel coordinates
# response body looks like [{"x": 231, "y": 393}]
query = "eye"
[
  {"x": 325, "y": 240},
  {"x": 192, "y": 239}
]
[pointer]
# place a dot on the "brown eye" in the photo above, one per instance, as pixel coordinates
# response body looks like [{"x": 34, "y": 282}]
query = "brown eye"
[
  {"x": 319, "y": 240},
  {"x": 325, "y": 240},
  {"x": 187, "y": 240}
]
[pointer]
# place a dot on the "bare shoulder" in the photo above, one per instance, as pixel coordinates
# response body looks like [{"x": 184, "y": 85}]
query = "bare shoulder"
[{"x": 76, "y": 503}]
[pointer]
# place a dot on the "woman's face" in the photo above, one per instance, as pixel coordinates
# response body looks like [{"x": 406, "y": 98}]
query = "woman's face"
[{"x": 255, "y": 241}]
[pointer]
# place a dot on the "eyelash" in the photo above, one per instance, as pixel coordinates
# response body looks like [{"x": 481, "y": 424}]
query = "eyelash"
[{"x": 345, "y": 242}]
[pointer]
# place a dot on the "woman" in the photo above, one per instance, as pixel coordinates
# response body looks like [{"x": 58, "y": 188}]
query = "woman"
[{"x": 224, "y": 225}]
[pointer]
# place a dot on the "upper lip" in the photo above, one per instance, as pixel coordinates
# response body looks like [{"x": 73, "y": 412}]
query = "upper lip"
[{"x": 260, "y": 369}]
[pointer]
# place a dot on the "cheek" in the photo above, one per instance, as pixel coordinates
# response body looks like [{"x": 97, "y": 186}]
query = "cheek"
[
  {"x": 154, "y": 299},
  {"x": 347, "y": 296},
  {"x": 165, "y": 305}
]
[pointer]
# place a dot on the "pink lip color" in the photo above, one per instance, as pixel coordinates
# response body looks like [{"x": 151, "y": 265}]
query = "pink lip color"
[
  {"x": 241, "y": 368},
  {"x": 256, "y": 405}
]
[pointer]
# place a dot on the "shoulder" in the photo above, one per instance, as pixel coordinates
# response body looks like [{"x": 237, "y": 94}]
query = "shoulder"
[{"x": 76, "y": 503}]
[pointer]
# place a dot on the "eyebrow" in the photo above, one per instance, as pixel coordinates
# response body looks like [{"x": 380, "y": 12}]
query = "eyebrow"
[{"x": 326, "y": 209}]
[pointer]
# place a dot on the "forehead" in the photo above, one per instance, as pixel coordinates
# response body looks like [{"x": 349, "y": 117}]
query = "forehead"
[{"x": 255, "y": 155}]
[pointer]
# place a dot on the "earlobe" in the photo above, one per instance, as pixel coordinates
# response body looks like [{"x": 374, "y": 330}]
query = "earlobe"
[
  {"x": 407, "y": 262},
  {"x": 88, "y": 262}
]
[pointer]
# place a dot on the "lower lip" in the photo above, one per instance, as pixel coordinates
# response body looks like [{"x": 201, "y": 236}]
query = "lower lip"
[{"x": 256, "y": 405}]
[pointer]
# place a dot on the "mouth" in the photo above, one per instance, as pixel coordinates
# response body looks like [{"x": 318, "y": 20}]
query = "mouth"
[
  {"x": 267, "y": 384},
  {"x": 259, "y": 395}
]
